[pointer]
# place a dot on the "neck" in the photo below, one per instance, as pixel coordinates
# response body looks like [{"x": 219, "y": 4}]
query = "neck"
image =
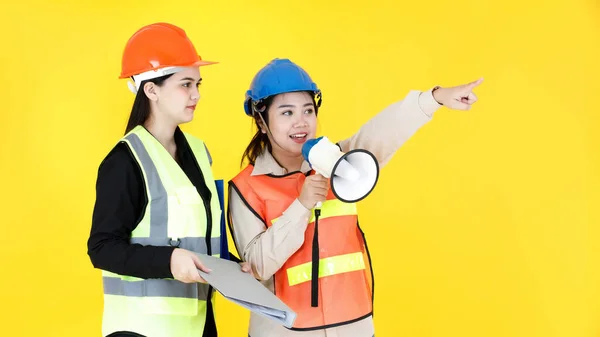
[
  {"x": 163, "y": 132},
  {"x": 290, "y": 162}
]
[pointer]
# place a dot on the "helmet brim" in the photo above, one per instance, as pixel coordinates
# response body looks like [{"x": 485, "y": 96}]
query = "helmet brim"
[{"x": 199, "y": 63}]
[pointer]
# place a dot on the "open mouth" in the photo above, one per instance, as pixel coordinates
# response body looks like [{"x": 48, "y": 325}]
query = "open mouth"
[{"x": 299, "y": 135}]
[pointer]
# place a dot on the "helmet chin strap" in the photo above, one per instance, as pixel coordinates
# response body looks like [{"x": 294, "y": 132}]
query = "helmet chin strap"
[{"x": 267, "y": 128}]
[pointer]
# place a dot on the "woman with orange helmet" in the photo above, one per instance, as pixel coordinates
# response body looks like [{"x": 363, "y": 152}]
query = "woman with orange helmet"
[
  {"x": 156, "y": 199},
  {"x": 315, "y": 260}
]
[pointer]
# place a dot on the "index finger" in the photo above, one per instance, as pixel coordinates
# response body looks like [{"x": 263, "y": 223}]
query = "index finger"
[
  {"x": 474, "y": 83},
  {"x": 199, "y": 264},
  {"x": 196, "y": 276},
  {"x": 318, "y": 177}
]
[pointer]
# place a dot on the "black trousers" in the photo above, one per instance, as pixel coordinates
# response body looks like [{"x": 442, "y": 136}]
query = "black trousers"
[{"x": 210, "y": 329}]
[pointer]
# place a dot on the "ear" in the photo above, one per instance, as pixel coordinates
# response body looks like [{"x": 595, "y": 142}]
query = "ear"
[
  {"x": 150, "y": 89},
  {"x": 261, "y": 125}
]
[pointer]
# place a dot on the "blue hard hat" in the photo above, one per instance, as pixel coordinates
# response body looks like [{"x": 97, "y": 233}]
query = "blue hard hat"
[{"x": 277, "y": 77}]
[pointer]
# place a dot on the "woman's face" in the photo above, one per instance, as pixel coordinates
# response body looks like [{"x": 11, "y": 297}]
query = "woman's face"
[
  {"x": 175, "y": 100},
  {"x": 292, "y": 121}
]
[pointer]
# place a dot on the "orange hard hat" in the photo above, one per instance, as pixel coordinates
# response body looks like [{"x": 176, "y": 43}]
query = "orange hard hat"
[{"x": 159, "y": 46}]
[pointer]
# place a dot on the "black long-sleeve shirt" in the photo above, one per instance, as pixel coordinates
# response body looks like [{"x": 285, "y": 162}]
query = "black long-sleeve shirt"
[{"x": 120, "y": 204}]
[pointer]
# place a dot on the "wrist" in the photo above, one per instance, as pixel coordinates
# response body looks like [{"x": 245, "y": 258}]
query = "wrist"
[
  {"x": 304, "y": 203},
  {"x": 297, "y": 210},
  {"x": 437, "y": 92},
  {"x": 174, "y": 252}
]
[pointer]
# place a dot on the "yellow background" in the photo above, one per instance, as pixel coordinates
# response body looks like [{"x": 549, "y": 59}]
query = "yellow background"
[{"x": 486, "y": 223}]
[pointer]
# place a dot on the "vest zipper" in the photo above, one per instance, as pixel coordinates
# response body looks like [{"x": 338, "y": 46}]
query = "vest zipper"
[{"x": 314, "y": 287}]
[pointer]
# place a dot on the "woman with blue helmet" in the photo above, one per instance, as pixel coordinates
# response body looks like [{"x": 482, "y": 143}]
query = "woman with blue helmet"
[{"x": 271, "y": 202}]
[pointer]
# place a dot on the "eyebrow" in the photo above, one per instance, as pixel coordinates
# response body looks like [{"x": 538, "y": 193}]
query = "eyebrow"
[
  {"x": 190, "y": 79},
  {"x": 293, "y": 106}
]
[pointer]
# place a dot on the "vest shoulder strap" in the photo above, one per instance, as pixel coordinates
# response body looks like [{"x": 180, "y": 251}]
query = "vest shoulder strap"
[
  {"x": 198, "y": 147},
  {"x": 241, "y": 183}
]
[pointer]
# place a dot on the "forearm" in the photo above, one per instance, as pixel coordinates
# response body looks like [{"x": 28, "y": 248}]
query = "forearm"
[
  {"x": 113, "y": 254},
  {"x": 120, "y": 201},
  {"x": 272, "y": 248},
  {"x": 267, "y": 248},
  {"x": 385, "y": 133}
]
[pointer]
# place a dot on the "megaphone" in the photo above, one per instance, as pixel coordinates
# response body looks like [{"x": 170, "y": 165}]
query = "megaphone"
[{"x": 352, "y": 175}]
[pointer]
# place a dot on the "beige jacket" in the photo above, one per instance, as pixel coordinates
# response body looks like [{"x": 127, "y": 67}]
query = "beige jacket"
[{"x": 267, "y": 249}]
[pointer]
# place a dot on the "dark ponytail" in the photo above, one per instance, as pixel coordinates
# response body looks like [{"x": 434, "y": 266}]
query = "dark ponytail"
[
  {"x": 141, "y": 106},
  {"x": 260, "y": 141},
  {"x": 257, "y": 145}
]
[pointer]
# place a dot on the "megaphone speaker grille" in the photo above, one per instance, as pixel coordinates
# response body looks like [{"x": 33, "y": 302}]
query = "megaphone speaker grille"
[{"x": 356, "y": 188}]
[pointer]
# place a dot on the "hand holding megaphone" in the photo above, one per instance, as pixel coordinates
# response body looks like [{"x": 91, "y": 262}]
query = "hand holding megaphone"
[
  {"x": 352, "y": 175},
  {"x": 314, "y": 191}
]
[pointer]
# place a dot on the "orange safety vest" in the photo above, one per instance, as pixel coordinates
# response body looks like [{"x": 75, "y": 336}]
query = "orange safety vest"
[{"x": 343, "y": 292}]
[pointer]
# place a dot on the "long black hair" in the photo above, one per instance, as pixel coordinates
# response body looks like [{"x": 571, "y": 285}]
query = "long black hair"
[
  {"x": 141, "y": 106},
  {"x": 260, "y": 141}
]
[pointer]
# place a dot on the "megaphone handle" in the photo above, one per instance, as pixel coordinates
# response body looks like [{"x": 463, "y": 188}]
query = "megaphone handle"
[{"x": 314, "y": 281}]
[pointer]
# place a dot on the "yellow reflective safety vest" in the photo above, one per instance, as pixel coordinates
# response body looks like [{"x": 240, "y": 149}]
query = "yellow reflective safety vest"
[{"x": 176, "y": 215}]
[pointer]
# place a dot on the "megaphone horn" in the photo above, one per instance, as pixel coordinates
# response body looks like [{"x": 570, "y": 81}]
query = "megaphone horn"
[{"x": 353, "y": 175}]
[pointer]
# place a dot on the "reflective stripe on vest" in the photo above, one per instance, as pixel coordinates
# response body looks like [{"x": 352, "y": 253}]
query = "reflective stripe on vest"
[
  {"x": 331, "y": 208},
  {"x": 154, "y": 288},
  {"x": 115, "y": 284},
  {"x": 327, "y": 267},
  {"x": 331, "y": 265},
  {"x": 197, "y": 245}
]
